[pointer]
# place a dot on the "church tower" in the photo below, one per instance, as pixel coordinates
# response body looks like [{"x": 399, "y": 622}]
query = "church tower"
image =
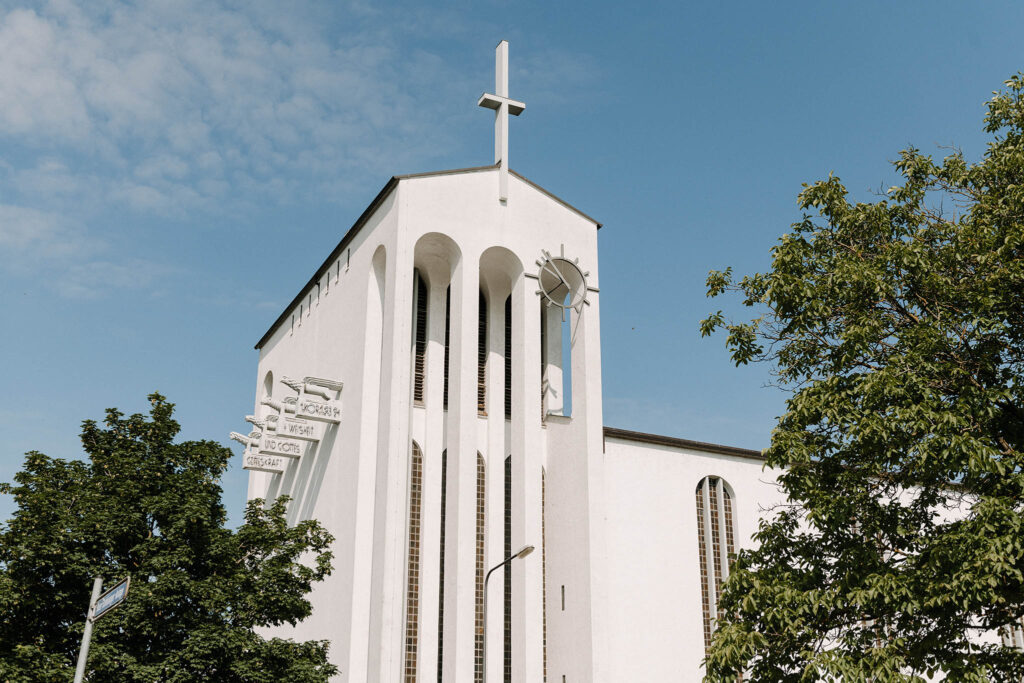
[{"x": 433, "y": 396}]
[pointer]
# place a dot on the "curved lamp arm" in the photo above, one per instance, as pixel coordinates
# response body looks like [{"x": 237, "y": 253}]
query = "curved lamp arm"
[{"x": 522, "y": 552}]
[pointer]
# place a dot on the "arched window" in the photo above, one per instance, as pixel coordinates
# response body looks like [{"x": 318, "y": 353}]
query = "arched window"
[
  {"x": 412, "y": 591},
  {"x": 481, "y": 525},
  {"x": 268, "y": 385},
  {"x": 715, "y": 543}
]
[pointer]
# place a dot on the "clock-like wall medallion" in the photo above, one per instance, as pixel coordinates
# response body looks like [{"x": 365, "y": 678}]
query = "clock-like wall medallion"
[{"x": 563, "y": 282}]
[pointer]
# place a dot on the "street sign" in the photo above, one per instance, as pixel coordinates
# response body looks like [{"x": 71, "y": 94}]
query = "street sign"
[{"x": 112, "y": 598}]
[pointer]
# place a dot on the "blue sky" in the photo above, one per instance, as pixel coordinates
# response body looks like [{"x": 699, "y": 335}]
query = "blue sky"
[{"x": 172, "y": 173}]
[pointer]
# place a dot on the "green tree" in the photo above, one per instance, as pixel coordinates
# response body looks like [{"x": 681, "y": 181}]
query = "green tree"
[
  {"x": 897, "y": 327},
  {"x": 146, "y": 507}
]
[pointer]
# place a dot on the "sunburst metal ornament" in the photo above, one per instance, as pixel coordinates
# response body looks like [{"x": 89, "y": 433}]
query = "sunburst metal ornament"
[{"x": 563, "y": 282}]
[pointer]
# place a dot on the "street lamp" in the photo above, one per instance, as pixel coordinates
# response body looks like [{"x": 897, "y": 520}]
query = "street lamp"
[{"x": 522, "y": 552}]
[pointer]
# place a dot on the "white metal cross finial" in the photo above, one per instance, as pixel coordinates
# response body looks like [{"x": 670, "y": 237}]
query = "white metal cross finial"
[{"x": 502, "y": 106}]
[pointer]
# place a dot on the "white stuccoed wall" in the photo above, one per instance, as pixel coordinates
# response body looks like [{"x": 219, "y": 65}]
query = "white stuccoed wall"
[
  {"x": 329, "y": 340},
  {"x": 452, "y": 227},
  {"x": 654, "y": 596}
]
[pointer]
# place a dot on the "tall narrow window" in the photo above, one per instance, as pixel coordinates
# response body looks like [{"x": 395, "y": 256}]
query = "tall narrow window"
[
  {"x": 508, "y": 570},
  {"x": 440, "y": 590},
  {"x": 715, "y": 546},
  {"x": 544, "y": 566},
  {"x": 481, "y": 357},
  {"x": 481, "y": 525},
  {"x": 419, "y": 339},
  {"x": 447, "y": 339},
  {"x": 508, "y": 358},
  {"x": 412, "y": 592}
]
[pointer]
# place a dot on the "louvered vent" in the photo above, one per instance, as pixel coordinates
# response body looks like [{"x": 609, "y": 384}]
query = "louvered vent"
[
  {"x": 481, "y": 357},
  {"x": 508, "y": 358},
  {"x": 420, "y": 336}
]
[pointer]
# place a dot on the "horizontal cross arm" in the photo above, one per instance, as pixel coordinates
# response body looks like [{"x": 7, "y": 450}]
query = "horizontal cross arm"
[{"x": 490, "y": 101}]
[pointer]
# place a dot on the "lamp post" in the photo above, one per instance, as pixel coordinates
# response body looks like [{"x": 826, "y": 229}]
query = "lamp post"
[{"x": 522, "y": 552}]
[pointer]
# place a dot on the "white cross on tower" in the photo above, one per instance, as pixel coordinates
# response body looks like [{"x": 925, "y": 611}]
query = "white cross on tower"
[{"x": 502, "y": 106}]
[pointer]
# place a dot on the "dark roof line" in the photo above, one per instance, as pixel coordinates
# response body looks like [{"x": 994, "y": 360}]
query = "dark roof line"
[
  {"x": 336, "y": 253},
  {"x": 365, "y": 216},
  {"x": 555, "y": 197},
  {"x": 657, "y": 439}
]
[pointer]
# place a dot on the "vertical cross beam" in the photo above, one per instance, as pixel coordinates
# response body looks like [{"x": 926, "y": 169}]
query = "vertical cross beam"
[{"x": 502, "y": 106}]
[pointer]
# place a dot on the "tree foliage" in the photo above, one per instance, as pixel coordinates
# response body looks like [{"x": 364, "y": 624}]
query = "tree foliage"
[
  {"x": 146, "y": 507},
  {"x": 898, "y": 328}
]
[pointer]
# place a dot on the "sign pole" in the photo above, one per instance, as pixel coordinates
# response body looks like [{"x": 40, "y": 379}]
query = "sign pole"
[{"x": 83, "y": 653}]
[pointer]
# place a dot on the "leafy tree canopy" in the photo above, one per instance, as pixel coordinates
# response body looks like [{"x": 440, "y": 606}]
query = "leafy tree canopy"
[
  {"x": 898, "y": 328},
  {"x": 146, "y": 507}
]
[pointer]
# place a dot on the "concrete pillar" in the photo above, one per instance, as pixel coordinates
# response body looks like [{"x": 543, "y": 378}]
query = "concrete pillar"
[
  {"x": 588, "y": 428},
  {"x": 527, "y": 644},
  {"x": 497, "y": 449},
  {"x": 433, "y": 395},
  {"x": 460, "y": 533},
  {"x": 366, "y": 472},
  {"x": 386, "y": 642}
]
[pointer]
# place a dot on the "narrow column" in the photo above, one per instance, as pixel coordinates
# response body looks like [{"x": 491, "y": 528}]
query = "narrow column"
[
  {"x": 433, "y": 395},
  {"x": 359, "y": 649},
  {"x": 497, "y": 449},
  {"x": 527, "y": 643},
  {"x": 460, "y": 532},
  {"x": 386, "y": 641},
  {"x": 589, "y": 430}
]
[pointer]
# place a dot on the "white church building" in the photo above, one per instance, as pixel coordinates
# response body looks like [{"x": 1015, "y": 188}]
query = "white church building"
[{"x": 413, "y": 398}]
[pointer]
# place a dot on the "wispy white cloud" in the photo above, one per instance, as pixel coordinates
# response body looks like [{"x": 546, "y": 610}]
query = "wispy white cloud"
[
  {"x": 71, "y": 261},
  {"x": 164, "y": 89},
  {"x": 127, "y": 111},
  {"x": 203, "y": 109},
  {"x": 92, "y": 279},
  {"x": 24, "y": 229}
]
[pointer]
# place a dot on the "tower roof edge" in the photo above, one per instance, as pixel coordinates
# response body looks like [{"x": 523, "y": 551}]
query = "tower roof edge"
[{"x": 369, "y": 211}]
